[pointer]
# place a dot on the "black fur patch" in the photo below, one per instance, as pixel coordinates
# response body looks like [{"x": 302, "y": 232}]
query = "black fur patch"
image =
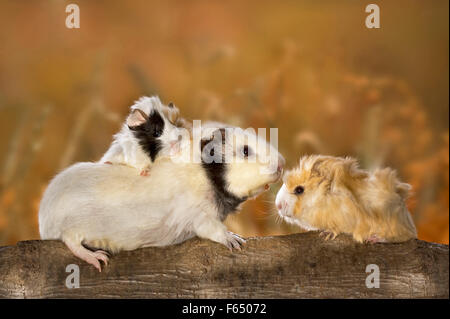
[
  {"x": 148, "y": 134},
  {"x": 216, "y": 169}
]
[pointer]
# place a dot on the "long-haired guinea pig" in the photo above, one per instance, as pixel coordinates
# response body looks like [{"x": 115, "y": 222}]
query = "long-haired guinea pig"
[
  {"x": 110, "y": 208},
  {"x": 150, "y": 131},
  {"x": 335, "y": 196}
]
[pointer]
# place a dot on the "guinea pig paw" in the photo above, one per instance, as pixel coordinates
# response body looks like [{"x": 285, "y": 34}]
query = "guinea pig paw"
[
  {"x": 107, "y": 162},
  {"x": 234, "y": 241},
  {"x": 328, "y": 235},
  {"x": 100, "y": 255},
  {"x": 94, "y": 258},
  {"x": 373, "y": 239},
  {"x": 145, "y": 172},
  {"x": 91, "y": 257}
]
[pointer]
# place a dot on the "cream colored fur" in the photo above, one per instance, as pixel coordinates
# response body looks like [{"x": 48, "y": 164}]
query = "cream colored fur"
[
  {"x": 339, "y": 197},
  {"x": 109, "y": 207},
  {"x": 125, "y": 148}
]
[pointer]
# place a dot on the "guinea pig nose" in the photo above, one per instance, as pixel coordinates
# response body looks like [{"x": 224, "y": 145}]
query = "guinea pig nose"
[
  {"x": 279, "y": 168},
  {"x": 281, "y": 161},
  {"x": 279, "y": 206}
]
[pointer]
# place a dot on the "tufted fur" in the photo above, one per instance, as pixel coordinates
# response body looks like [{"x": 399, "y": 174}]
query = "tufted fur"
[
  {"x": 339, "y": 197},
  {"x": 134, "y": 145}
]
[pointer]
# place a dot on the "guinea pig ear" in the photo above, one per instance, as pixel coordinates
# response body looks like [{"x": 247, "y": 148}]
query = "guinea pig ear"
[
  {"x": 220, "y": 133},
  {"x": 351, "y": 166},
  {"x": 316, "y": 168},
  {"x": 346, "y": 173},
  {"x": 212, "y": 147},
  {"x": 217, "y": 137},
  {"x": 136, "y": 118},
  {"x": 173, "y": 115},
  {"x": 204, "y": 142},
  {"x": 403, "y": 189}
]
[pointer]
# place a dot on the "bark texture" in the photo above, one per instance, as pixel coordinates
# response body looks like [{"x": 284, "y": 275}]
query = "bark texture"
[{"x": 294, "y": 266}]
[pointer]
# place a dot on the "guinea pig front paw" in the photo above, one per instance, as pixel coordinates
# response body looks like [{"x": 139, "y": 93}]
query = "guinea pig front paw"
[
  {"x": 145, "y": 172},
  {"x": 327, "y": 235},
  {"x": 97, "y": 256},
  {"x": 233, "y": 240},
  {"x": 373, "y": 239}
]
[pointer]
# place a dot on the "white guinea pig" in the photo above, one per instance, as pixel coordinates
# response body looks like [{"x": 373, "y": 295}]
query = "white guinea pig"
[
  {"x": 150, "y": 131},
  {"x": 110, "y": 208}
]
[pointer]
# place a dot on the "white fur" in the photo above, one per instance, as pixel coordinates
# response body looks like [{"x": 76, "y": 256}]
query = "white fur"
[
  {"x": 110, "y": 207},
  {"x": 285, "y": 202},
  {"x": 264, "y": 160},
  {"x": 125, "y": 148}
]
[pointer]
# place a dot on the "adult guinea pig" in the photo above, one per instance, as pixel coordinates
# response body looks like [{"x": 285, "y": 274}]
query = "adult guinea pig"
[
  {"x": 333, "y": 195},
  {"x": 111, "y": 208}
]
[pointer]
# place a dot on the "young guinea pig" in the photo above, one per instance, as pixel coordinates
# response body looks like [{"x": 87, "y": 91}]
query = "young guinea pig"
[
  {"x": 107, "y": 207},
  {"x": 150, "y": 131},
  {"x": 333, "y": 195}
]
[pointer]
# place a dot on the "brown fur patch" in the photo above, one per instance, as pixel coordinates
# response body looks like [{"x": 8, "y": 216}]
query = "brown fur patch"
[{"x": 172, "y": 114}]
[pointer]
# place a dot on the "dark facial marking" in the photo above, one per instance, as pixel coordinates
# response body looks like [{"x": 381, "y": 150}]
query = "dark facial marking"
[
  {"x": 216, "y": 169},
  {"x": 148, "y": 134}
]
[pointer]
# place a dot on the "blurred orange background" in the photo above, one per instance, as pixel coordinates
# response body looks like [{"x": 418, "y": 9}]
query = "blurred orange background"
[{"x": 309, "y": 68}]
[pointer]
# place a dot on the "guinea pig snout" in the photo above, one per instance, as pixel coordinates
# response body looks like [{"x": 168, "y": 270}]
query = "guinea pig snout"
[
  {"x": 280, "y": 204},
  {"x": 280, "y": 168},
  {"x": 283, "y": 202},
  {"x": 282, "y": 208},
  {"x": 281, "y": 162}
]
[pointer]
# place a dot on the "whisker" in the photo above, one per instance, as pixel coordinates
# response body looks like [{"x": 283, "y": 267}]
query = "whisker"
[
  {"x": 279, "y": 220},
  {"x": 262, "y": 215}
]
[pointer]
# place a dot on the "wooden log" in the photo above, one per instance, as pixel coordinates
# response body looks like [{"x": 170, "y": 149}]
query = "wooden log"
[{"x": 293, "y": 266}]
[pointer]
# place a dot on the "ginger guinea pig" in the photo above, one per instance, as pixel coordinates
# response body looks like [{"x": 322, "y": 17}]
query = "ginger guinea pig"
[{"x": 335, "y": 196}]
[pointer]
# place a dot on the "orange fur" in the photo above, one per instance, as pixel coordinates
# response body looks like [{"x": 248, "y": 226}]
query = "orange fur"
[{"x": 339, "y": 197}]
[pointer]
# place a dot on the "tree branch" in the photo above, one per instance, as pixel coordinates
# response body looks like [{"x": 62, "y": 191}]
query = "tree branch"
[{"x": 294, "y": 266}]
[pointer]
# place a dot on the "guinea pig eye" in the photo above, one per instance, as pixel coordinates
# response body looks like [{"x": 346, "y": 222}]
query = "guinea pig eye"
[
  {"x": 246, "y": 151},
  {"x": 157, "y": 133},
  {"x": 299, "y": 190}
]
